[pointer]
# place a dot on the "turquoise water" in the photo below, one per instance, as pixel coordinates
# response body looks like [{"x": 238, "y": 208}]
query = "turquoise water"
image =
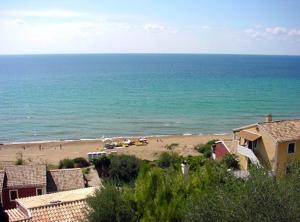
[{"x": 49, "y": 97}]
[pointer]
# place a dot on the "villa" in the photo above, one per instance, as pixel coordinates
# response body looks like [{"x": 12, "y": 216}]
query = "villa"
[
  {"x": 61, "y": 206},
  {"x": 272, "y": 144},
  {"x": 22, "y": 181}
]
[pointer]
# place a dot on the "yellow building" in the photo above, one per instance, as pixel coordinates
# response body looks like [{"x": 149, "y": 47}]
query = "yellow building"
[{"x": 271, "y": 144}]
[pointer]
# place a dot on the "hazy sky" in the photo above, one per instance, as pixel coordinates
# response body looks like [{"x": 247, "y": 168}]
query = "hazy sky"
[{"x": 162, "y": 26}]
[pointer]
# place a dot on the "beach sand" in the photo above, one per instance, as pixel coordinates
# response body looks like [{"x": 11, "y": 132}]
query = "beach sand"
[{"x": 51, "y": 152}]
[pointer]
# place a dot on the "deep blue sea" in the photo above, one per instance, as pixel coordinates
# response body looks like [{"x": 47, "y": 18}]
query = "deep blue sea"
[{"x": 52, "y": 97}]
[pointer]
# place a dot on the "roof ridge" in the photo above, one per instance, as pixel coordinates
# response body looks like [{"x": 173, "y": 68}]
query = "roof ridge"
[
  {"x": 66, "y": 191},
  {"x": 58, "y": 204},
  {"x": 76, "y": 168},
  {"x": 282, "y": 120}
]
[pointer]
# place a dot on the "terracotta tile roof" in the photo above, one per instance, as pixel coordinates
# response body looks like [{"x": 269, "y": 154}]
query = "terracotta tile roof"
[
  {"x": 283, "y": 130},
  {"x": 66, "y": 212},
  {"x": 26, "y": 175},
  {"x": 16, "y": 215},
  {"x": 67, "y": 206},
  {"x": 2, "y": 174},
  {"x": 59, "y": 197},
  {"x": 64, "y": 179}
]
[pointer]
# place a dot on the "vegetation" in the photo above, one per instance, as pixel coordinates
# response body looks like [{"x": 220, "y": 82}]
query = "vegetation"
[
  {"x": 230, "y": 161},
  {"x": 102, "y": 166},
  {"x": 78, "y": 162},
  {"x": 210, "y": 193},
  {"x": 166, "y": 160},
  {"x": 66, "y": 164},
  {"x": 205, "y": 149},
  {"x": 81, "y": 162},
  {"x": 121, "y": 168},
  {"x": 85, "y": 170},
  {"x": 124, "y": 168},
  {"x": 113, "y": 207},
  {"x": 19, "y": 157},
  {"x": 171, "y": 146},
  {"x": 51, "y": 166}
]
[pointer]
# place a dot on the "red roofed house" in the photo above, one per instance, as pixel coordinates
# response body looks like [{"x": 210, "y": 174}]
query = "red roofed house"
[
  {"x": 219, "y": 150},
  {"x": 32, "y": 180},
  {"x": 55, "y": 207},
  {"x": 22, "y": 181}
]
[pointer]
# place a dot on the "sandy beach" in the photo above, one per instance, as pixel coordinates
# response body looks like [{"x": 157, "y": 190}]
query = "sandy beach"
[{"x": 52, "y": 152}]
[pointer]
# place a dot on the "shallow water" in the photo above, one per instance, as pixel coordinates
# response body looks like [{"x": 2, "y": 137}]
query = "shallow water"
[{"x": 47, "y": 97}]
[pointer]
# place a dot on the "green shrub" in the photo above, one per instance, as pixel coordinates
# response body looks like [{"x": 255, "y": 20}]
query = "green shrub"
[
  {"x": 66, "y": 164},
  {"x": 166, "y": 160},
  {"x": 19, "y": 162},
  {"x": 85, "y": 170},
  {"x": 102, "y": 166},
  {"x": 205, "y": 149},
  {"x": 124, "y": 168},
  {"x": 52, "y": 166},
  {"x": 171, "y": 146},
  {"x": 230, "y": 161},
  {"x": 196, "y": 162},
  {"x": 19, "y": 157},
  {"x": 81, "y": 162},
  {"x": 108, "y": 206}
]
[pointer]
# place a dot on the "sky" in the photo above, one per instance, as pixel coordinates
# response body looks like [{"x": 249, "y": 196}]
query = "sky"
[{"x": 150, "y": 26}]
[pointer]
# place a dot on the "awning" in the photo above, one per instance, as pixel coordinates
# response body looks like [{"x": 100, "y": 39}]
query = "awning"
[
  {"x": 248, "y": 135},
  {"x": 248, "y": 153}
]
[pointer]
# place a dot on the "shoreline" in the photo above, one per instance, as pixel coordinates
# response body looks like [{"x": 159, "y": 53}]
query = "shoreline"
[
  {"x": 45, "y": 152},
  {"x": 105, "y": 138}
]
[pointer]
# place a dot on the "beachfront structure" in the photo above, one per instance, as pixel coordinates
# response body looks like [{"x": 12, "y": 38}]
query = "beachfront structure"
[
  {"x": 95, "y": 155},
  {"x": 32, "y": 180},
  {"x": 272, "y": 144},
  {"x": 61, "y": 206},
  {"x": 219, "y": 150}
]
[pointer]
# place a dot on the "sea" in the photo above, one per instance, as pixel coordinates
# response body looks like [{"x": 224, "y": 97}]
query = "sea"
[{"x": 92, "y": 96}]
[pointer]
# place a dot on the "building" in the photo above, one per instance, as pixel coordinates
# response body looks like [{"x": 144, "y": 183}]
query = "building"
[
  {"x": 61, "y": 206},
  {"x": 65, "y": 179},
  {"x": 220, "y": 150},
  {"x": 32, "y": 180},
  {"x": 272, "y": 144},
  {"x": 22, "y": 181}
]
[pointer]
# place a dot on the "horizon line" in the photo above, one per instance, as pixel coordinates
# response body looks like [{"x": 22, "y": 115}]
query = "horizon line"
[{"x": 146, "y": 53}]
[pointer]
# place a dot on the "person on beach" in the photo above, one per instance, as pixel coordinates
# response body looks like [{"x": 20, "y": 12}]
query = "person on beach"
[{"x": 60, "y": 146}]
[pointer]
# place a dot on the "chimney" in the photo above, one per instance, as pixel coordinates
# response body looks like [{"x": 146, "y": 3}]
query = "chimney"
[
  {"x": 269, "y": 118},
  {"x": 185, "y": 168}
]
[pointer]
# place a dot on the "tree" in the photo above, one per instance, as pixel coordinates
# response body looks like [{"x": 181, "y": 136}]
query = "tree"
[
  {"x": 166, "y": 160},
  {"x": 102, "y": 166},
  {"x": 81, "y": 162},
  {"x": 120, "y": 169},
  {"x": 108, "y": 206},
  {"x": 66, "y": 164},
  {"x": 124, "y": 168},
  {"x": 258, "y": 198},
  {"x": 230, "y": 161},
  {"x": 159, "y": 195},
  {"x": 205, "y": 149}
]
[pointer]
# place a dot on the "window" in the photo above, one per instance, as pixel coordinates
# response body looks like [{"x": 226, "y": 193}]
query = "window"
[
  {"x": 254, "y": 144},
  {"x": 291, "y": 148},
  {"x": 13, "y": 194},
  {"x": 39, "y": 191}
]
